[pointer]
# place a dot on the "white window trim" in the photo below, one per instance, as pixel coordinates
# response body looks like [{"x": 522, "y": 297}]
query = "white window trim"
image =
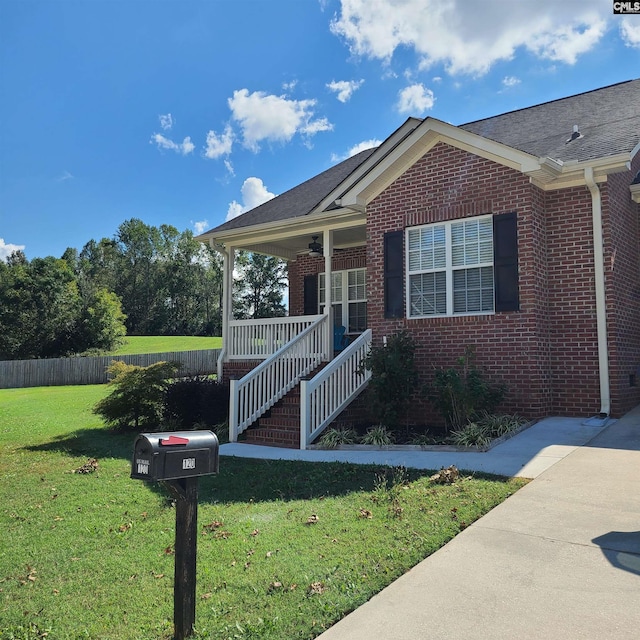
[{"x": 449, "y": 269}]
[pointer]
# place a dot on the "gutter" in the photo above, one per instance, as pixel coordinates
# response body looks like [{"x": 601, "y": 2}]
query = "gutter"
[{"x": 601, "y": 311}]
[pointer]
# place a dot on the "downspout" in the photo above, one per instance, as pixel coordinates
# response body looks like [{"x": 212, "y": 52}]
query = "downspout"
[{"x": 601, "y": 309}]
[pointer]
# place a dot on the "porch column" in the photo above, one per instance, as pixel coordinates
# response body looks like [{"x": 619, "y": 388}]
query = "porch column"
[
  {"x": 227, "y": 297},
  {"x": 327, "y": 244}
]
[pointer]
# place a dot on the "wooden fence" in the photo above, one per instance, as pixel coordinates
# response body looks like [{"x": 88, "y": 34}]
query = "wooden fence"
[{"x": 67, "y": 371}]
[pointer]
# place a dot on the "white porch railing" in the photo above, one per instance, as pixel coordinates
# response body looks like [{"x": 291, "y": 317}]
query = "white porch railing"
[
  {"x": 329, "y": 392},
  {"x": 258, "y": 339},
  {"x": 261, "y": 388}
]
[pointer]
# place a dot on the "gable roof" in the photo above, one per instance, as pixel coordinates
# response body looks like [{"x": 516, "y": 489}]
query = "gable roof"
[{"x": 608, "y": 122}]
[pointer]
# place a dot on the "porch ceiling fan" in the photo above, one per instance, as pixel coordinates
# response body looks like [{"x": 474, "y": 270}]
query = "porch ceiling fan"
[{"x": 315, "y": 248}]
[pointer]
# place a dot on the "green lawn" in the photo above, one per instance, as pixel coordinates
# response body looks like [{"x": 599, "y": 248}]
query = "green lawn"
[
  {"x": 163, "y": 344},
  {"x": 286, "y": 548}
]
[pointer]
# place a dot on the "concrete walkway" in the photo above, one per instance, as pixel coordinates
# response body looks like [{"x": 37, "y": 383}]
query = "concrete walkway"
[
  {"x": 526, "y": 455},
  {"x": 559, "y": 559}
]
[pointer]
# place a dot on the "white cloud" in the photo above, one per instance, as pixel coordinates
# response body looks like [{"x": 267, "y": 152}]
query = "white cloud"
[
  {"x": 200, "y": 227},
  {"x": 630, "y": 32},
  {"x": 271, "y": 118},
  {"x": 415, "y": 99},
  {"x": 357, "y": 148},
  {"x": 254, "y": 193},
  {"x": 219, "y": 145},
  {"x": 7, "y": 249},
  {"x": 229, "y": 167},
  {"x": 510, "y": 81},
  {"x": 166, "y": 121},
  {"x": 344, "y": 88},
  {"x": 185, "y": 147},
  {"x": 470, "y": 37}
]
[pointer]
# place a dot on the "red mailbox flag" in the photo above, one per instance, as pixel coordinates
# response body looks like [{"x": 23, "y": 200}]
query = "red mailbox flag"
[{"x": 171, "y": 440}]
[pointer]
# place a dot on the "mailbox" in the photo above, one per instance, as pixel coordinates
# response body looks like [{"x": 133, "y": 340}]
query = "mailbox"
[{"x": 174, "y": 455}]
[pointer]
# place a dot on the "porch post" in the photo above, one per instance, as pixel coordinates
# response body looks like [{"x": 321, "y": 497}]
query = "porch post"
[
  {"x": 327, "y": 243},
  {"x": 227, "y": 297}
]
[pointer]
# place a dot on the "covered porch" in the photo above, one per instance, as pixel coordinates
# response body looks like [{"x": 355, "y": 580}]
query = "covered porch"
[{"x": 303, "y": 361}]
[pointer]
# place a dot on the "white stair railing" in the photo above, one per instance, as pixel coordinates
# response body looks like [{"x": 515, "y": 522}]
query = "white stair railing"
[
  {"x": 332, "y": 389},
  {"x": 261, "y": 388}
]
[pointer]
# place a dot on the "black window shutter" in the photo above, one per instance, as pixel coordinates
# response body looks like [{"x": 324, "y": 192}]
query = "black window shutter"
[
  {"x": 505, "y": 261},
  {"x": 393, "y": 273},
  {"x": 311, "y": 295}
]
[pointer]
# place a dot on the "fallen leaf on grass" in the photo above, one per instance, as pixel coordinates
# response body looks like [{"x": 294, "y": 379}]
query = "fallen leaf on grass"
[
  {"x": 124, "y": 527},
  {"x": 274, "y": 586},
  {"x": 89, "y": 466},
  {"x": 157, "y": 576},
  {"x": 316, "y": 588},
  {"x": 255, "y": 532},
  {"x": 169, "y": 551},
  {"x": 312, "y": 519},
  {"x": 206, "y": 596},
  {"x": 365, "y": 513},
  {"x": 446, "y": 476}
]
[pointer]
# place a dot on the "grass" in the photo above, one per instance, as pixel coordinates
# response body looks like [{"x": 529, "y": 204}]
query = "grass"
[
  {"x": 286, "y": 548},
  {"x": 162, "y": 344}
]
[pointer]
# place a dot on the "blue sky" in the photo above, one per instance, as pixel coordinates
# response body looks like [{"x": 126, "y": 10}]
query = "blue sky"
[{"x": 185, "y": 112}]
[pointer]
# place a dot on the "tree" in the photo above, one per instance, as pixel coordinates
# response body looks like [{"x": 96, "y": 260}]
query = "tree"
[
  {"x": 260, "y": 286},
  {"x": 137, "y": 397},
  {"x": 139, "y": 283},
  {"x": 102, "y": 322},
  {"x": 40, "y": 306},
  {"x": 43, "y": 314}
]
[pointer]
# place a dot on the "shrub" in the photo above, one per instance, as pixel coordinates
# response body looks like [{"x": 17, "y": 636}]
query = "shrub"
[
  {"x": 196, "y": 400},
  {"x": 378, "y": 435},
  {"x": 461, "y": 393},
  {"x": 471, "y": 435},
  {"x": 137, "y": 397},
  {"x": 393, "y": 378},
  {"x": 334, "y": 437},
  {"x": 487, "y": 428}
]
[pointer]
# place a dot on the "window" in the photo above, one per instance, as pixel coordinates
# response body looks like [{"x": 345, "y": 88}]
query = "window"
[
  {"x": 349, "y": 298},
  {"x": 450, "y": 268}
]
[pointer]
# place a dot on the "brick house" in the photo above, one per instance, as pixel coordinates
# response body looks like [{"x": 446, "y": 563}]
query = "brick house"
[{"x": 518, "y": 234}]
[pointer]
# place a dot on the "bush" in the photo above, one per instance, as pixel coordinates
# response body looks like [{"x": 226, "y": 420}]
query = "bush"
[
  {"x": 334, "y": 437},
  {"x": 393, "y": 378},
  {"x": 196, "y": 400},
  {"x": 378, "y": 435},
  {"x": 485, "y": 429},
  {"x": 137, "y": 397},
  {"x": 461, "y": 393}
]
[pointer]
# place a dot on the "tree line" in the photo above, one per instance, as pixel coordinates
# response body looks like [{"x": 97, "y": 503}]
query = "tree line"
[{"x": 145, "y": 280}]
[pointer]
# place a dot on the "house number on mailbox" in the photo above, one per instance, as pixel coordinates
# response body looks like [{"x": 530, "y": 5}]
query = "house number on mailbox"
[{"x": 189, "y": 463}]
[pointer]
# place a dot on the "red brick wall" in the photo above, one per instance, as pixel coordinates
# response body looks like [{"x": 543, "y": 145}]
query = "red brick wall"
[
  {"x": 512, "y": 347},
  {"x": 547, "y": 352},
  {"x": 621, "y": 222},
  {"x": 572, "y": 308}
]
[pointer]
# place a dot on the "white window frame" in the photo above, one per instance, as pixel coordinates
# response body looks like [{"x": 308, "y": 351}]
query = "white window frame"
[
  {"x": 448, "y": 269},
  {"x": 344, "y": 300}
]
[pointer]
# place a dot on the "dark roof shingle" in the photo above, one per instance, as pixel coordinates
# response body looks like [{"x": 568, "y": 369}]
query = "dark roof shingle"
[{"x": 300, "y": 200}]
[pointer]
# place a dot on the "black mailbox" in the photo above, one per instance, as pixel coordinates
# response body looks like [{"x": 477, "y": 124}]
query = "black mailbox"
[{"x": 174, "y": 455}]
